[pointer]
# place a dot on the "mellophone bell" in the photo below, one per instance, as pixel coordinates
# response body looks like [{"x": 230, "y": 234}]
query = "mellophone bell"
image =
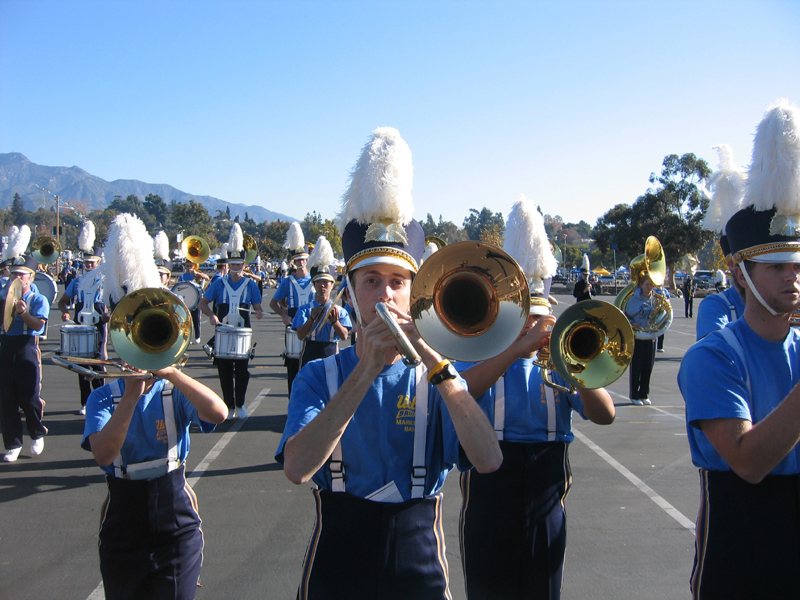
[{"x": 233, "y": 296}]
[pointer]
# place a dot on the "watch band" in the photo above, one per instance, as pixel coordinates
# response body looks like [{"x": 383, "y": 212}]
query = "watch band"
[{"x": 447, "y": 372}]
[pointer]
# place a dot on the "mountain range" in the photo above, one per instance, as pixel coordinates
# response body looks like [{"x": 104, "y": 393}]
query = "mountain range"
[{"x": 18, "y": 175}]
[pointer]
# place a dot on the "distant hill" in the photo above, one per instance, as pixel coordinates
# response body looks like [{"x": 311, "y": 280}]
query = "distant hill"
[{"x": 18, "y": 175}]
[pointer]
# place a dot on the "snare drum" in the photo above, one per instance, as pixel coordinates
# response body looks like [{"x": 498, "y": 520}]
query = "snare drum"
[
  {"x": 189, "y": 292},
  {"x": 80, "y": 341},
  {"x": 47, "y": 286},
  {"x": 232, "y": 343},
  {"x": 294, "y": 347}
]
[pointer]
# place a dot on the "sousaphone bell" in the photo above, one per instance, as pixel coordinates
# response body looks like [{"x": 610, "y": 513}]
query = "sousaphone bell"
[{"x": 195, "y": 249}]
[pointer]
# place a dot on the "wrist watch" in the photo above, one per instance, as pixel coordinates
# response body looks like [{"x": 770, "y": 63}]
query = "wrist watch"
[{"x": 447, "y": 372}]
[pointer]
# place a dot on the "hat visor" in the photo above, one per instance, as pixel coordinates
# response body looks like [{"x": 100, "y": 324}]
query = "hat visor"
[
  {"x": 777, "y": 257},
  {"x": 300, "y": 256},
  {"x": 22, "y": 269}
]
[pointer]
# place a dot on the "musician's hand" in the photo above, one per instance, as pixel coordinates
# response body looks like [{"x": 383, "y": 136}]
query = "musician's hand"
[
  {"x": 105, "y": 318},
  {"x": 164, "y": 373},
  {"x": 334, "y": 315},
  {"x": 214, "y": 320},
  {"x": 20, "y": 306},
  {"x": 374, "y": 341},
  {"x": 533, "y": 338},
  {"x": 134, "y": 388},
  {"x": 287, "y": 320},
  {"x": 315, "y": 312},
  {"x": 259, "y": 314},
  {"x": 65, "y": 316}
]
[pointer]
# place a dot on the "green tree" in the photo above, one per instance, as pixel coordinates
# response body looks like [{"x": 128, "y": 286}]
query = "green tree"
[
  {"x": 271, "y": 244},
  {"x": 476, "y": 223},
  {"x": 193, "y": 219},
  {"x": 17, "y": 214},
  {"x": 158, "y": 209},
  {"x": 445, "y": 230},
  {"x": 673, "y": 213}
]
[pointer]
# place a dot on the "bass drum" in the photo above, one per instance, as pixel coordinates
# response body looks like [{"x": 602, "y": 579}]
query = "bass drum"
[
  {"x": 47, "y": 286},
  {"x": 189, "y": 292}
]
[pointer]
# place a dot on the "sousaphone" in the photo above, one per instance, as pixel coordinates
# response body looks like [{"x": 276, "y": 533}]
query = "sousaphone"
[
  {"x": 195, "y": 249},
  {"x": 45, "y": 249},
  {"x": 652, "y": 264}
]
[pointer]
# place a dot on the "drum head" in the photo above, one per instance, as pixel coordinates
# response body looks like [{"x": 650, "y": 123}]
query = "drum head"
[
  {"x": 47, "y": 286},
  {"x": 189, "y": 292}
]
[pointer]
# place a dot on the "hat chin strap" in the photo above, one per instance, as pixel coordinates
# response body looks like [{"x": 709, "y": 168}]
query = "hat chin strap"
[
  {"x": 751, "y": 286},
  {"x": 353, "y": 300}
]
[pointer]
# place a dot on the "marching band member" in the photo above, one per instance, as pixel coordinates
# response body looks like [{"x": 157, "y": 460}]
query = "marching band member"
[
  {"x": 21, "y": 362},
  {"x": 584, "y": 290},
  {"x": 638, "y": 310},
  {"x": 192, "y": 273},
  {"x": 513, "y": 521},
  {"x": 321, "y": 342},
  {"x": 233, "y": 290},
  {"x": 151, "y": 544},
  {"x": 376, "y": 437},
  {"x": 294, "y": 291},
  {"x": 727, "y": 183},
  {"x": 740, "y": 385},
  {"x": 90, "y": 284}
]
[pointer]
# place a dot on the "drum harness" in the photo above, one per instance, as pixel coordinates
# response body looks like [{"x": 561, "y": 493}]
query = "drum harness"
[
  {"x": 235, "y": 298},
  {"x": 389, "y": 492},
  {"x": 160, "y": 466},
  {"x": 90, "y": 316}
]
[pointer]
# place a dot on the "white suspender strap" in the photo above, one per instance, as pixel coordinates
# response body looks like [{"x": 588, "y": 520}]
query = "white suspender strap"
[
  {"x": 88, "y": 315},
  {"x": 549, "y": 394},
  {"x": 233, "y": 317},
  {"x": 500, "y": 406},
  {"x": 418, "y": 471},
  {"x": 169, "y": 423},
  {"x": 336, "y": 465},
  {"x": 733, "y": 312},
  {"x": 729, "y": 337},
  {"x": 116, "y": 395}
]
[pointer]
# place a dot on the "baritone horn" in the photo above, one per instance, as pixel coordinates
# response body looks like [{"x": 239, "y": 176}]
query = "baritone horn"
[
  {"x": 150, "y": 329},
  {"x": 45, "y": 249},
  {"x": 652, "y": 264},
  {"x": 195, "y": 249},
  {"x": 591, "y": 346}
]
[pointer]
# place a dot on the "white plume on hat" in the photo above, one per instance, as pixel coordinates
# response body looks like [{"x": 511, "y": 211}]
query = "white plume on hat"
[
  {"x": 429, "y": 250},
  {"x": 13, "y": 232},
  {"x": 18, "y": 244},
  {"x": 223, "y": 252},
  {"x": 380, "y": 183},
  {"x": 322, "y": 255},
  {"x": 727, "y": 186},
  {"x": 161, "y": 246},
  {"x": 236, "y": 239},
  {"x": 527, "y": 243},
  {"x": 773, "y": 179},
  {"x": 295, "y": 240},
  {"x": 86, "y": 238},
  {"x": 586, "y": 266},
  {"x": 128, "y": 264}
]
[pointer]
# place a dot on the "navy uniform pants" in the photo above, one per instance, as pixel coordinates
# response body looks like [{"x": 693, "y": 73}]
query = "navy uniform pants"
[
  {"x": 313, "y": 350},
  {"x": 233, "y": 379},
  {"x": 644, "y": 357},
  {"x": 514, "y": 525},
  {"x": 21, "y": 374},
  {"x": 748, "y": 538},
  {"x": 375, "y": 550},
  {"x": 84, "y": 384},
  {"x": 151, "y": 544}
]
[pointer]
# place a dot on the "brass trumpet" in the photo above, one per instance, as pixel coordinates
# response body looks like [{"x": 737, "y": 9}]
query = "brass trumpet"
[
  {"x": 45, "y": 249},
  {"x": 150, "y": 329}
]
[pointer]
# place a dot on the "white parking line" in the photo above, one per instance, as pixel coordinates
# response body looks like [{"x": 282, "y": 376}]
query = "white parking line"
[
  {"x": 641, "y": 485},
  {"x": 99, "y": 591}
]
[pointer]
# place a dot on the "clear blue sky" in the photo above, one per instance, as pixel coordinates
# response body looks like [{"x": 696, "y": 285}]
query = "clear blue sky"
[{"x": 573, "y": 104}]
